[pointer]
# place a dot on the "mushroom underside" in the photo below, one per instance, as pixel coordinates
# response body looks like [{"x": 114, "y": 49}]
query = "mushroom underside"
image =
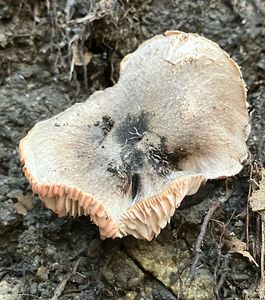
[{"x": 141, "y": 200}]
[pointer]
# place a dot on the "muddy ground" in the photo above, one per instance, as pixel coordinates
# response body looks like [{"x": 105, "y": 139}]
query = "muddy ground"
[{"x": 46, "y": 257}]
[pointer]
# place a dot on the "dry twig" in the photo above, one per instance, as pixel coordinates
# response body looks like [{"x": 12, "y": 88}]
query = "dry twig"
[
  {"x": 61, "y": 286},
  {"x": 262, "y": 249},
  {"x": 250, "y": 160},
  {"x": 200, "y": 238},
  {"x": 223, "y": 275}
]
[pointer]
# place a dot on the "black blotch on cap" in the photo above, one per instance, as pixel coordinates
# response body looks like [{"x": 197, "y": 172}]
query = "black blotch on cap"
[
  {"x": 132, "y": 129},
  {"x": 164, "y": 161}
]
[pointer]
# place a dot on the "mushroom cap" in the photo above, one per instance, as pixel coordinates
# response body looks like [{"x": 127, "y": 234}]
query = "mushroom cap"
[{"x": 130, "y": 154}]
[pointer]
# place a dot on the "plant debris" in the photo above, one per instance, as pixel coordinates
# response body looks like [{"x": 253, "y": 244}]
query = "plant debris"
[{"x": 24, "y": 203}]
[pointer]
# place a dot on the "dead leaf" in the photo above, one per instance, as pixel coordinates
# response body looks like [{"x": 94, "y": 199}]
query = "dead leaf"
[
  {"x": 79, "y": 58},
  {"x": 257, "y": 200},
  {"x": 257, "y": 203},
  {"x": 42, "y": 274},
  {"x": 24, "y": 203},
  {"x": 234, "y": 245}
]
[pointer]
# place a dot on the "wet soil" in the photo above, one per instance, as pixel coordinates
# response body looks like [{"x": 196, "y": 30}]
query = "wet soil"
[{"x": 46, "y": 257}]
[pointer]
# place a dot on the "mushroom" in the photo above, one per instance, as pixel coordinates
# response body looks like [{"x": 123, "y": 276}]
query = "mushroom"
[{"x": 130, "y": 154}]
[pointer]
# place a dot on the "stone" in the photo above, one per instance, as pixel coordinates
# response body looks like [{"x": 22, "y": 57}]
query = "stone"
[
  {"x": 171, "y": 266},
  {"x": 122, "y": 272}
]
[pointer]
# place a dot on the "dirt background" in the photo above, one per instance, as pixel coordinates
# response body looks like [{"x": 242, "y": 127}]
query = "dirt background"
[{"x": 45, "y": 257}]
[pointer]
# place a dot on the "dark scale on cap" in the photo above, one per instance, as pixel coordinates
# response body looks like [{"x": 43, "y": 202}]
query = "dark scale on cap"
[
  {"x": 178, "y": 156},
  {"x": 159, "y": 160},
  {"x": 163, "y": 161},
  {"x": 133, "y": 128},
  {"x": 132, "y": 158},
  {"x": 107, "y": 124},
  {"x": 129, "y": 132},
  {"x": 128, "y": 170},
  {"x": 135, "y": 184},
  {"x": 122, "y": 174}
]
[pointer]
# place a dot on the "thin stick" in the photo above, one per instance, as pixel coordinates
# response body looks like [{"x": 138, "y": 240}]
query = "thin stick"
[
  {"x": 223, "y": 276},
  {"x": 199, "y": 241},
  {"x": 262, "y": 249},
  {"x": 62, "y": 284},
  {"x": 249, "y": 194}
]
